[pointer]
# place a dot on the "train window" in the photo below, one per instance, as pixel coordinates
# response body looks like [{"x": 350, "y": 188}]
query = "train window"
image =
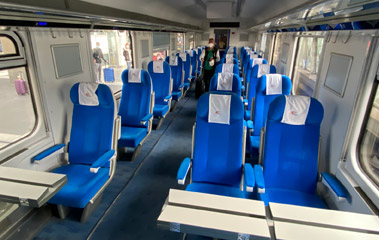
[
  {"x": 191, "y": 42},
  {"x": 277, "y": 49},
  {"x": 7, "y": 46},
  {"x": 111, "y": 53},
  {"x": 180, "y": 45},
  {"x": 369, "y": 147},
  {"x": 306, "y": 65},
  {"x": 161, "y": 44},
  {"x": 159, "y": 55},
  {"x": 16, "y": 106}
]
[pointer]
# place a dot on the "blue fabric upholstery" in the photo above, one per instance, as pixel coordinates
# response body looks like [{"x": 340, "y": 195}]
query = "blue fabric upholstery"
[
  {"x": 193, "y": 63},
  {"x": 90, "y": 144},
  {"x": 160, "y": 110},
  {"x": 135, "y": 104},
  {"x": 236, "y": 88},
  {"x": 186, "y": 68},
  {"x": 161, "y": 86},
  {"x": 176, "y": 75},
  {"x": 291, "y": 155},
  {"x": 132, "y": 136},
  {"x": 183, "y": 169},
  {"x": 82, "y": 185},
  {"x": 218, "y": 147},
  {"x": 216, "y": 189}
]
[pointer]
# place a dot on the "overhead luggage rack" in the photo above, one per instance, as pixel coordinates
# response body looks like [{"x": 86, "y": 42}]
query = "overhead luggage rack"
[{"x": 28, "y": 187}]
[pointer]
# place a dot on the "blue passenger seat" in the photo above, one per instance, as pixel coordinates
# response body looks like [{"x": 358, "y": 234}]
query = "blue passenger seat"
[
  {"x": 176, "y": 66},
  {"x": 291, "y": 146},
  {"x": 160, "y": 74},
  {"x": 226, "y": 82},
  {"x": 193, "y": 56},
  {"x": 187, "y": 69},
  {"x": 218, "y": 156},
  {"x": 91, "y": 151},
  {"x": 279, "y": 85},
  {"x": 136, "y": 108}
]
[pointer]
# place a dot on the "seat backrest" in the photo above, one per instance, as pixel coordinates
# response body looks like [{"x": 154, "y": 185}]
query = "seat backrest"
[
  {"x": 135, "y": 97},
  {"x": 218, "y": 139},
  {"x": 252, "y": 78},
  {"x": 161, "y": 79},
  {"x": 263, "y": 100},
  {"x": 290, "y": 156},
  {"x": 176, "y": 72},
  {"x": 226, "y": 82},
  {"x": 186, "y": 65},
  {"x": 92, "y": 126},
  {"x": 219, "y": 68},
  {"x": 193, "y": 57},
  {"x": 199, "y": 50}
]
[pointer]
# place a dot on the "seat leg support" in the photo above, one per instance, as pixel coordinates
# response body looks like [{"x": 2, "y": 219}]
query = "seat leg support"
[
  {"x": 90, "y": 207},
  {"x": 136, "y": 152},
  {"x": 173, "y": 107},
  {"x": 159, "y": 124},
  {"x": 62, "y": 211}
]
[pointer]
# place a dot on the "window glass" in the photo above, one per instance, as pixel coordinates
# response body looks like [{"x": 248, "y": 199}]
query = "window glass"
[
  {"x": 277, "y": 50},
  {"x": 180, "y": 45},
  {"x": 17, "y": 112},
  {"x": 111, "y": 54},
  {"x": 369, "y": 147},
  {"x": 191, "y": 42},
  {"x": 306, "y": 65},
  {"x": 7, "y": 46}
]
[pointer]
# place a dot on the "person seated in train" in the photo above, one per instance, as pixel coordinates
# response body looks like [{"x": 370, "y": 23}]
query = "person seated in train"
[{"x": 209, "y": 56}]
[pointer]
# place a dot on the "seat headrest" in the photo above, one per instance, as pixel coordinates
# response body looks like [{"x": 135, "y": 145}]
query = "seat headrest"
[
  {"x": 190, "y": 52},
  {"x": 158, "y": 66},
  {"x": 262, "y": 83},
  {"x": 183, "y": 56},
  {"x": 227, "y": 67},
  {"x": 103, "y": 94},
  {"x": 87, "y": 95},
  {"x": 256, "y": 61},
  {"x": 263, "y": 69},
  {"x": 221, "y": 108},
  {"x": 225, "y": 81},
  {"x": 273, "y": 84},
  {"x": 134, "y": 75},
  {"x": 296, "y": 110},
  {"x": 173, "y": 60}
]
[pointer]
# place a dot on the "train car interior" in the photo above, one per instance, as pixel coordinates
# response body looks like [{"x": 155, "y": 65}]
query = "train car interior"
[{"x": 190, "y": 119}]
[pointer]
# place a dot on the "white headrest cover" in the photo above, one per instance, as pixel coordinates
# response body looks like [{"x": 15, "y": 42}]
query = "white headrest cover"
[
  {"x": 87, "y": 95},
  {"x": 296, "y": 109},
  {"x": 273, "y": 84},
  {"x": 158, "y": 66},
  {"x": 225, "y": 81},
  {"x": 247, "y": 48},
  {"x": 190, "y": 52},
  {"x": 173, "y": 60},
  {"x": 219, "y": 108},
  {"x": 253, "y": 55},
  {"x": 227, "y": 67},
  {"x": 134, "y": 75},
  {"x": 257, "y": 61},
  {"x": 263, "y": 69},
  {"x": 183, "y": 56}
]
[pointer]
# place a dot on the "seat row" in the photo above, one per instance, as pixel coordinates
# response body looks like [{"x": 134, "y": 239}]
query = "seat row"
[{"x": 288, "y": 136}]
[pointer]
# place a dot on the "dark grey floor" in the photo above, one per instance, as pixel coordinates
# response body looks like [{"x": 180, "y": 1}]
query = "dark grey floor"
[{"x": 132, "y": 202}]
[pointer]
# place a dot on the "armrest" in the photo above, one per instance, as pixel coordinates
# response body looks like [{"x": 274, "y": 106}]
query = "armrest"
[
  {"x": 48, "y": 152},
  {"x": 181, "y": 86},
  {"x": 167, "y": 98},
  {"x": 259, "y": 180},
  {"x": 146, "y": 118},
  {"x": 101, "y": 161},
  {"x": 250, "y": 124},
  {"x": 245, "y": 102},
  {"x": 183, "y": 171},
  {"x": 333, "y": 184},
  {"x": 249, "y": 177}
]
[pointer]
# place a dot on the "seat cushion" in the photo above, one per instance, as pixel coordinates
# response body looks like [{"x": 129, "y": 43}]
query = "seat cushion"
[
  {"x": 216, "y": 189},
  {"x": 247, "y": 114},
  {"x": 131, "y": 136},
  {"x": 82, "y": 185},
  {"x": 160, "y": 110},
  {"x": 176, "y": 95},
  {"x": 292, "y": 197},
  {"x": 255, "y": 141}
]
